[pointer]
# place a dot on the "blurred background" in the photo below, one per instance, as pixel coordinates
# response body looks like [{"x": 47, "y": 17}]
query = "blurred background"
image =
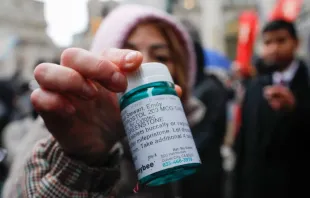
[{"x": 34, "y": 30}]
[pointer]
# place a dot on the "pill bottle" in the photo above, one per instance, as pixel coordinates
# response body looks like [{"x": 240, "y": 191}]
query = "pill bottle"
[{"x": 161, "y": 142}]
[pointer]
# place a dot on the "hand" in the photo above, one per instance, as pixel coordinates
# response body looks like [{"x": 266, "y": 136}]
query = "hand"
[
  {"x": 280, "y": 97},
  {"x": 77, "y": 99},
  {"x": 78, "y": 103}
]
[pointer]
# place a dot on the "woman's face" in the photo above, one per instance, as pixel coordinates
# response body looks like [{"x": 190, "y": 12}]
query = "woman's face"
[{"x": 148, "y": 39}]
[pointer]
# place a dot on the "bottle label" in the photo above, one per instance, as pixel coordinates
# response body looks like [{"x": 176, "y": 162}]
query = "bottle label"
[{"x": 159, "y": 135}]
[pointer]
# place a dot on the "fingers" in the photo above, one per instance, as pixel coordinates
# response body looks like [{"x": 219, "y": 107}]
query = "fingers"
[
  {"x": 279, "y": 97},
  {"x": 63, "y": 79},
  {"x": 268, "y": 92},
  {"x": 106, "y": 69},
  {"x": 278, "y": 91},
  {"x": 126, "y": 60},
  {"x": 178, "y": 89},
  {"x": 94, "y": 67},
  {"x": 275, "y": 105},
  {"x": 272, "y": 95},
  {"x": 46, "y": 101}
]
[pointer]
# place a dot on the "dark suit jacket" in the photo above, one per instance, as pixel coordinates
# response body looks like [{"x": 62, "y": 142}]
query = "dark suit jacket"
[{"x": 272, "y": 146}]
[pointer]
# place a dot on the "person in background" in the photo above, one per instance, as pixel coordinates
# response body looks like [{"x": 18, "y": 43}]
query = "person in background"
[
  {"x": 210, "y": 90},
  {"x": 199, "y": 52},
  {"x": 6, "y": 109},
  {"x": 20, "y": 135},
  {"x": 261, "y": 67},
  {"x": 272, "y": 144},
  {"x": 84, "y": 120},
  {"x": 25, "y": 115},
  {"x": 213, "y": 93},
  {"x": 6, "y": 103}
]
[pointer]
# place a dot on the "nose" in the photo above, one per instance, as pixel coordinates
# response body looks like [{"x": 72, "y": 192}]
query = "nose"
[
  {"x": 270, "y": 53},
  {"x": 146, "y": 58},
  {"x": 273, "y": 48}
]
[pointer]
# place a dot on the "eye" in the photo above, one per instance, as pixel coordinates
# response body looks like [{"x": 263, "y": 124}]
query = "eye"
[
  {"x": 267, "y": 42},
  {"x": 162, "y": 59},
  {"x": 130, "y": 46},
  {"x": 281, "y": 40}
]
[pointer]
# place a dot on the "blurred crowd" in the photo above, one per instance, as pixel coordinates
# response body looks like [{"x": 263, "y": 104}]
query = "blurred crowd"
[{"x": 60, "y": 141}]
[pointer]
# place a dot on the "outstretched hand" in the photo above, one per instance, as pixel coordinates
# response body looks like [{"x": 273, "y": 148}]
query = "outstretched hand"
[{"x": 280, "y": 97}]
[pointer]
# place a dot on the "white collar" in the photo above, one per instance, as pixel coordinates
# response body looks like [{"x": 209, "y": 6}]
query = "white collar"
[{"x": 287, "y": 75}]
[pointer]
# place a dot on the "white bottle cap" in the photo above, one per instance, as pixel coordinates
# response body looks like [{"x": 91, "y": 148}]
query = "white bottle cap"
[{"x": 148, "y": 73}]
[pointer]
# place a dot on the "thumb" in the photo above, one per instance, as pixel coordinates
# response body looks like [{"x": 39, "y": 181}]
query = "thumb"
[{"x": 178, "y": 89}]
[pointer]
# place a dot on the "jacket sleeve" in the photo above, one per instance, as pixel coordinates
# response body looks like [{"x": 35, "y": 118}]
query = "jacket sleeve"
[
  {"x": 214, "y": 96},
  {"x": 50, "y": 173},
  {"x": 238, "y": 147},
  {"x": 301, "y": 123}
]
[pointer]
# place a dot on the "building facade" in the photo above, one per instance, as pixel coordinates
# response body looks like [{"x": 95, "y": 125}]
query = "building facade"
[
  {"x": 216, "y": 20},
  {"x": 23, "y": 37},
  {"x": 97, "y": 10},
  {"x": 303, "y": 25}
]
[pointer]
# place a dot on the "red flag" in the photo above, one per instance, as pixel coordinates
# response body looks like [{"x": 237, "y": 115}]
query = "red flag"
[
  {"x": 248, "y": 26},
  {"x": 286, "y": 9}
]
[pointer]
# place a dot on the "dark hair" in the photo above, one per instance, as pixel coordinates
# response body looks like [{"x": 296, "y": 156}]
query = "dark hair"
[
  {"x": 192, "y": 30},
  {"x": 200, "y": 62},
  {"x": 199, "y": 51},
  {"x": 281, "y": 25}
]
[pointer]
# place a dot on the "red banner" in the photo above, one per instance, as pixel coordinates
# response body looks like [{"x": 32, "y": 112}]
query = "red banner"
[
  {"x": 286, "y": 9},
  {"x": 248, "y": 26}
]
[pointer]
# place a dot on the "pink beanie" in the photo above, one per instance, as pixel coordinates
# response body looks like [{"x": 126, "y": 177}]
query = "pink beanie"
[{"x": 116, "y": 27}]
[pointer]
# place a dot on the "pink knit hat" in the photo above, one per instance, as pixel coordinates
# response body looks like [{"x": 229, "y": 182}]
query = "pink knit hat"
[{"x": 116, "y": 27}]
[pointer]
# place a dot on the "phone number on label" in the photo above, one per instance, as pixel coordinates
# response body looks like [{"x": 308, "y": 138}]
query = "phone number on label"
[{"x": 177, "y": 161}]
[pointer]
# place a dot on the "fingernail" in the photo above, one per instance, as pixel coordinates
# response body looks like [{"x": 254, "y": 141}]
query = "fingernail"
[
  {"x": 118, "y": 79},
  {"x": 130, "y": 59}
]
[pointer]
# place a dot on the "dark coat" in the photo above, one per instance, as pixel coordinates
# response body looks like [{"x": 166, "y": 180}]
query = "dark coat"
[
  {"x": 6, "y": 108},
  {"x": 209, "y": 135},
  {"x": 6, "y": 103},
  {"x": 271, "y": 146}
]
